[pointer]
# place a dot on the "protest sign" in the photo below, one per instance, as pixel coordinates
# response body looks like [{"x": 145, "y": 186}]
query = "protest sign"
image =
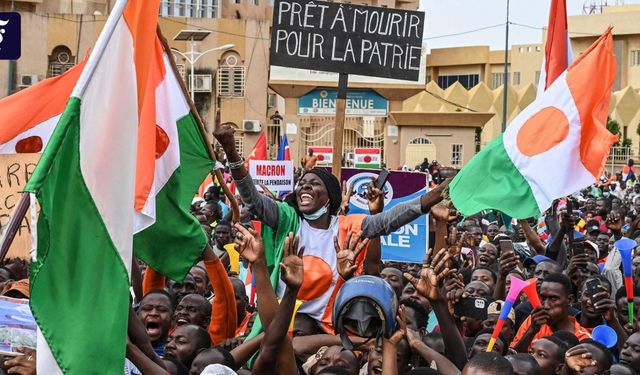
[
  {"x": 274, "y": 175},
  {"x": 347, "y": 38},
  {"x": 17, "y": 326},
  {"x": 409, "y": 243},
  {"x": 15, "y": 170}
]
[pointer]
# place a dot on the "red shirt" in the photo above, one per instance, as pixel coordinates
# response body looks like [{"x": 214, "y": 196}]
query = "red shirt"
[{"x": 578, "y": 330}]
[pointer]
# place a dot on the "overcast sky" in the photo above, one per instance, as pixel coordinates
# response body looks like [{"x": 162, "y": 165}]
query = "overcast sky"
[{"x": 447, "y": 17}]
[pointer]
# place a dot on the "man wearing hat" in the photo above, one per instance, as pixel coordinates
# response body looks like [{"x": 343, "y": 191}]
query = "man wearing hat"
[{"x": 493, "y": 313}]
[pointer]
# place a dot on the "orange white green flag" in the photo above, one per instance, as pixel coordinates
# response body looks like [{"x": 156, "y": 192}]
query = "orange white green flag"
[
  {"x": 30, "y": 115},
  {"x": 554, "y": 147},
  {"x": 116, "y": 177}
]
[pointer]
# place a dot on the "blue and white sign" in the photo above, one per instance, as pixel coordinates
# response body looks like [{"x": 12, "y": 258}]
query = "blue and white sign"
[
  {"x": 409, "y": 243},
  {"x": 321, "y": 102}
]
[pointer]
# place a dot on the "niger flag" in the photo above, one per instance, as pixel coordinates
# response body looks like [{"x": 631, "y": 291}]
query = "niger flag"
[
  {"x": 116, "y": 179},
  {"x": 555, "y": 147}
]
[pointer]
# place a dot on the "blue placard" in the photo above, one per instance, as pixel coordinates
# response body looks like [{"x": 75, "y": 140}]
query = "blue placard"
[
  {"x": 9, "y": 36},
  {"x": 409, "y": 243},
  {"x": 321, "y": 102}
]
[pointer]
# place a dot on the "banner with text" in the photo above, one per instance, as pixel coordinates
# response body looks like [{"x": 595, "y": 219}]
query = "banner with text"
[
  {"x": 347, "y": 38},
  {"x": 409, "y": 243},
  {"x": 359, "y": 103},
  {"x": 15, "y": 170},
  {"x": 274, "y": 175}
]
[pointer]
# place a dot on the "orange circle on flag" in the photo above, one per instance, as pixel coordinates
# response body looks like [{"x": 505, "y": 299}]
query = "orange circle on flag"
[
  {"x": 162, "y": 142},
  {"x": 29, "y": 145},
  {"x": 317, "y": 278},
  {"x": 547, "y": 128}
]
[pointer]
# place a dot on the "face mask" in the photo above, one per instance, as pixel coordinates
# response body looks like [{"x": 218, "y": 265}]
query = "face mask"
[{"x": 316, "y": 215}]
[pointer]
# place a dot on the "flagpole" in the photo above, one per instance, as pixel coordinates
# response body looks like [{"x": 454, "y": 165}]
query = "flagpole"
[
  {"x": 13, "y": 226},
  {"x": 235, "y": 208},
  {"x": 23, "y": 205}
]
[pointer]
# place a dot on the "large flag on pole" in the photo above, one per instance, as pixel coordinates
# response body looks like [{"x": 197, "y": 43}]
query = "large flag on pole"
[
  {"x": 557, "y": 51},
  {"x": 96, "y": 188},
  {"x": 30, "y": 115},
  {"x": 284, "y": 153},
  {"x": 554, "y": 147}
]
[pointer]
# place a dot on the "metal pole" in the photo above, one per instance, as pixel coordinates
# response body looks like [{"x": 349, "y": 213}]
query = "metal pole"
[
  {"x": 11, "y": 71},
  {"x": 191, "y": 62},
  {"x": 506, "y": 73}
]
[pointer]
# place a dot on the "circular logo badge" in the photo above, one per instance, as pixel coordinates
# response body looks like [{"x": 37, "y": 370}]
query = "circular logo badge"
[{"x": 359, "y": 183}]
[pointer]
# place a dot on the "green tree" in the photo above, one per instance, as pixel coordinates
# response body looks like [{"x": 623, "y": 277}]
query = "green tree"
[{"x": 614, "y": 128}]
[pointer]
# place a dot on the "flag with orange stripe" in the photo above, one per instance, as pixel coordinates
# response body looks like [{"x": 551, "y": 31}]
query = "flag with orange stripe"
[
  {"x": 556, "y": 146},
  {"x": 557, "y": 51},
  {"x": 116, "y": 180},
  {"x": 30, "y": 115}
]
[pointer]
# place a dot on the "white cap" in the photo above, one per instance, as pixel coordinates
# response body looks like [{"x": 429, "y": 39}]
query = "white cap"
[{"x": 217, "y": 370}]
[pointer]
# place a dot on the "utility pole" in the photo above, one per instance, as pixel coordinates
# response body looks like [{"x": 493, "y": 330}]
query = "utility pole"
[{"x": 506, "y": 73}]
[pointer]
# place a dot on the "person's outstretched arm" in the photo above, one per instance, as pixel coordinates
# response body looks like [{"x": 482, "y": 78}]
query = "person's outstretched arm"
[
  {"x": 445, "y": 366},
  {"x": 276, "y": 350},
  {"x": 532, "y": 238},
  {"x": 435, "y": 271},
  {"x": 224, "y": 315},
  {"x": 389, "y": 221},
  {"x": 244, "y": 351},
  {"x": 264, "y": 208}
]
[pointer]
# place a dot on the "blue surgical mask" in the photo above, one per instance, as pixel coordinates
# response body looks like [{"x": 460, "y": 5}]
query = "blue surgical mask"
[{"x": 316, "y": 215}]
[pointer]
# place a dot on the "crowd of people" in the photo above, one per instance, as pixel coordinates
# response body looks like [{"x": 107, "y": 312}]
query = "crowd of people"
[{"x": 298, "y": 286}]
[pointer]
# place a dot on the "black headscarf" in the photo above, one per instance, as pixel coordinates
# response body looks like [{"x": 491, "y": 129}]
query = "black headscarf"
[{"x": 332, "y": 185}]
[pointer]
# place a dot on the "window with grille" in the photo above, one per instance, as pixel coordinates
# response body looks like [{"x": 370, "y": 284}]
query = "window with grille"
[
  {"x": 497, "y": 80},
  {"x": 231, "y": 81},
  {"x": 189, "y": 8},
  {"x": 516, "y": 78},
  {"x": 456, "y": 155},
  {"x": 60, "y": 61},
  {"x": 420, "y": 141},
  {"x": 467, "y": 81},
  {"x": 635, "y": 58}
]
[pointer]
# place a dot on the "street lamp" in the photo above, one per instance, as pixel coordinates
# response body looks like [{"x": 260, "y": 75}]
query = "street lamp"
[{"x": 192, "y": 56}]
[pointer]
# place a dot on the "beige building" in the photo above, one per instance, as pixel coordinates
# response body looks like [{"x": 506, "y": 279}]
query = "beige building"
[
  {"x": 470, "y": 79},
  {"x": 57, "y": 34}
]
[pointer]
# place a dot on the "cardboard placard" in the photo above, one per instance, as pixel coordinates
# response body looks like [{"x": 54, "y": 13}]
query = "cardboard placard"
[
  {"x": 275, "y": 175},
  {"x": 15, "y": 170},
  {"x": 347, "y": 38}
]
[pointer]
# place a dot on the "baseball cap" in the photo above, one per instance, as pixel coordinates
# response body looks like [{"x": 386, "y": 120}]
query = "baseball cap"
[
  {"x": 594, "y": 229},
  {"x": 496, "y": 306},
  {"x": 537, "y": 259}
]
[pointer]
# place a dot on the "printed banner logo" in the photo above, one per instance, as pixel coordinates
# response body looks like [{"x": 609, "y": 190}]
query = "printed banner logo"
[
  {"x": 360, "y": 182},
  {"x": 9, "y": 36}
]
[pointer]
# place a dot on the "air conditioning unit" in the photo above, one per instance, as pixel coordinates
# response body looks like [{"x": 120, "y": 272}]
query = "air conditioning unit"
[
  {"x": 27, "y": 80},
  {"x": 251, "y": 126},
  {"x": 202, "y": 83}
]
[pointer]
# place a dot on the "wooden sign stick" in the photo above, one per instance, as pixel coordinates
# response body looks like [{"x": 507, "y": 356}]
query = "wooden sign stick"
[
  {"x": 338, "y": 131},
  {"x": 14, "y": 224}
]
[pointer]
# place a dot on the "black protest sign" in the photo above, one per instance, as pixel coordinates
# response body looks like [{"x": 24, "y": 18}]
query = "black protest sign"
[{"x": 347, "y": 38}]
